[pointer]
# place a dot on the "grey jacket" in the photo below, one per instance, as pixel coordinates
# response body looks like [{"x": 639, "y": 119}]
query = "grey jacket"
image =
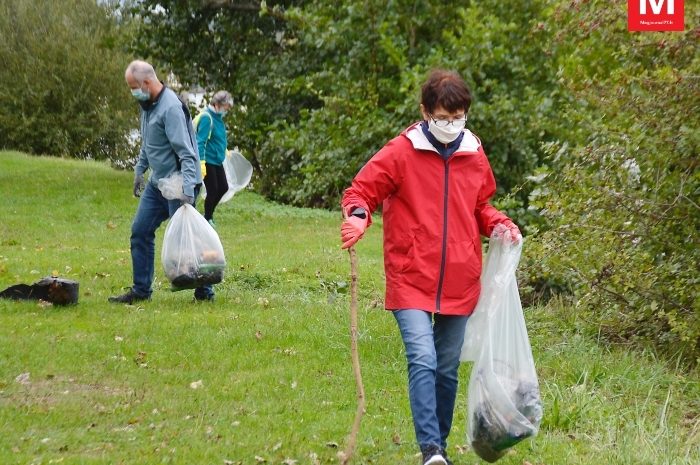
[{"x": 167, "y": 136}]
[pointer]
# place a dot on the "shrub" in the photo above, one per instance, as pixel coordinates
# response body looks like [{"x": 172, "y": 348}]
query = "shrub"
[
  {"x": 621, "y": 195},
  {"x": 63, "y": 89}
]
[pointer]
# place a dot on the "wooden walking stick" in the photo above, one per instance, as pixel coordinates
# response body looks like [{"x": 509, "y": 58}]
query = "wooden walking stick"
[{"x": 352, "y": 439}]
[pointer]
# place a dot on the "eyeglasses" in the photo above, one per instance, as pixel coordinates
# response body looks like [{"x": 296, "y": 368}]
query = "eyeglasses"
[{"x": 443, "y": 123}]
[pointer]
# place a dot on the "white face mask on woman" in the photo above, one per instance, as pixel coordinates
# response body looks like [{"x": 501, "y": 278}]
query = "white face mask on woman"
[{"x": 447, "y": 133}]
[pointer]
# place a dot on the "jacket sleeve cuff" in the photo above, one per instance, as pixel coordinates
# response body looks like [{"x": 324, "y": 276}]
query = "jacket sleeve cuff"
[{"x": 348, "y": 209}]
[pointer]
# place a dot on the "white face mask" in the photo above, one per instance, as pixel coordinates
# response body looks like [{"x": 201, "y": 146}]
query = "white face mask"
[{"x": 448, "y": 133}]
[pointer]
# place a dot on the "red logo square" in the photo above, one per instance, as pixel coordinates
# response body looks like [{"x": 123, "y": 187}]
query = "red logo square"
[{"x": 655, "y": 15}]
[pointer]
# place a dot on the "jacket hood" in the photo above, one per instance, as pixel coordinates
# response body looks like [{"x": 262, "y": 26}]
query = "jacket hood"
[{"x": 470, "y": 143}]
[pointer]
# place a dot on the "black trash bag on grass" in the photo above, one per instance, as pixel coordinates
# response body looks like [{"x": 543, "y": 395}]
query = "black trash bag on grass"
[{"x": 58, "y": 291}]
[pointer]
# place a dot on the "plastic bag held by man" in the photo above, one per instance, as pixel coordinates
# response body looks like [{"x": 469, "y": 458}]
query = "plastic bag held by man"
[
  {"x": 504, "y": 405},
  {"x": 192, "y": 253}
]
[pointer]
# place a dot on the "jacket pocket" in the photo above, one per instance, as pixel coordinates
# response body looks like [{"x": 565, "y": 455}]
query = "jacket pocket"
[
  {"x": 462, "y": 269},
  {"x": 422, "y": 264}
]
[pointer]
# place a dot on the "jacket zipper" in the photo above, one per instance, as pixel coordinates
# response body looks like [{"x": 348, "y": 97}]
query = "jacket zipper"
[{"x": 444, "y": 239}]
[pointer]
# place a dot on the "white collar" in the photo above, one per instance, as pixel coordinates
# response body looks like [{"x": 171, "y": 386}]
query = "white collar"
[{"x": 470, "y": 143}]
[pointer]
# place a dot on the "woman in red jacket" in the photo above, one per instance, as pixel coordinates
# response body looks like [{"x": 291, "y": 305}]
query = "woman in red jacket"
[{"x": 434, "y": 182}]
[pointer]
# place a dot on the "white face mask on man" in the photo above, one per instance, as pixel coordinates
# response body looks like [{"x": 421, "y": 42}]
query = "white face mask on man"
[{"x": 448, "y": 132}]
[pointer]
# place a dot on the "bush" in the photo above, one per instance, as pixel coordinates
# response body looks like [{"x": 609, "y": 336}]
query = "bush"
[
  {"x": 621, "y": 195},
  {"x": 63, "y": 89}
]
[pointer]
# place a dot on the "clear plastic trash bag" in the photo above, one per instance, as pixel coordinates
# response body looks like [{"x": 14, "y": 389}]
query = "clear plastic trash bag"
[
  {"x": 171, "y": 186},
  {"x": 238, "y": 173},
  {"x": 504, "y": 405},
  {"x": 192, "y": 254}
]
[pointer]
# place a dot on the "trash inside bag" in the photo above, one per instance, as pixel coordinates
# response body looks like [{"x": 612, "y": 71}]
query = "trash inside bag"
[
  {"x": 238, "y": 173},
  {"x": 192, "y": 254},
  {"x": 504, "y": 405},
  {"x": 508, "y": 412},
  {"x": 171, "y": 186}
]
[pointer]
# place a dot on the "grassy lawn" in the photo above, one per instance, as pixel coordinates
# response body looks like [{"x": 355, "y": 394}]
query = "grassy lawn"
[{"x": 263, "y": 374}]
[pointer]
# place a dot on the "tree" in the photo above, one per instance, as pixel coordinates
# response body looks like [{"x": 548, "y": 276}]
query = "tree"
[
  {"x": 63, "y": 89},
  {"x": 325, "y": 84},
  {"x": 621, "y": 190}
]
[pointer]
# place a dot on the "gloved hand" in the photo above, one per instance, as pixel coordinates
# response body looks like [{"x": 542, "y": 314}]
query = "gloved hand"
[
  {"x": 508, "y": 230},
  {"x": 204, "y": 169},
  {"x": 353, "y": 228},
  {"x": 186, "y": 199},
  {"x": 139, "y": 185}
]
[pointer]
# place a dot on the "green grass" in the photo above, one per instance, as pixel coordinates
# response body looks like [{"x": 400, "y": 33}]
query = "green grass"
[{"x": 112, "y": 384}]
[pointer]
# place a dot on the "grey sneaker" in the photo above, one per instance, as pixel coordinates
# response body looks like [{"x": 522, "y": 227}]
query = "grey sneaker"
[
  {"x": 211, "y": 223},
  {"x": 432, "y": 455}
]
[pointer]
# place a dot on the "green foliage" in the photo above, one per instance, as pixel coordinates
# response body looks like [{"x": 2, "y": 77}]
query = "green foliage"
[
  {"x": 373, "y": 93},
  {"x": 326, "y": 84},
  {"x": 621, "y": 196},
  {"x": 232, "y": 46},
  {"x": 63, "y": 89}
]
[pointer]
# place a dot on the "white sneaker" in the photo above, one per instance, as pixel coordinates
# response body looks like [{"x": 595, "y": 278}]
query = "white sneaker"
[{"x": 432, "y": 455}]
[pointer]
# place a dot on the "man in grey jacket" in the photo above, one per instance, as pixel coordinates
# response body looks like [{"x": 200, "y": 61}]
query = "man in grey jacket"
[{"x": 168, "y": 144}]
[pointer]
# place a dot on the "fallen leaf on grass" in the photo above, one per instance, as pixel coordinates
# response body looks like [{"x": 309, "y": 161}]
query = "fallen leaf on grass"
[
  {"x": 260, "y": 459},
  {"x": 196, "y": 384},
  {"x": 289, "y": 462},
  {"x": 140, "y": 358},
  {"x": 23, "y": 378}
]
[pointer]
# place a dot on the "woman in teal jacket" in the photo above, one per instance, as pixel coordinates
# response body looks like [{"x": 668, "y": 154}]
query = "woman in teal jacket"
[{"x": 212, "y": 143}]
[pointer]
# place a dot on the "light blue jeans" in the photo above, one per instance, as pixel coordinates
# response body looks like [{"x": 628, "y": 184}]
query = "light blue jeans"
[
  {"x": 433, "y": 344},
  {"x": 153, "y": 209}
]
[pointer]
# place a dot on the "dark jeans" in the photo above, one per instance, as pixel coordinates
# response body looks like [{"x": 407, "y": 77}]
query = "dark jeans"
[
  {"x": 217, "y": 185},
  {"x": 153, "y": 209},
  {"x": 433, "y": 344}
]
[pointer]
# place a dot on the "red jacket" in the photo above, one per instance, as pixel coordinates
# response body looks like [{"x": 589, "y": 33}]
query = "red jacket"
[{"x": 433, "y": 210}]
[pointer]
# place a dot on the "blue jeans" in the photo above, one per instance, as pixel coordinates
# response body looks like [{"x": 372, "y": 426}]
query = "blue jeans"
[
  {"x": 432, "y": 352},
  {"x": 153, "y": 209}
]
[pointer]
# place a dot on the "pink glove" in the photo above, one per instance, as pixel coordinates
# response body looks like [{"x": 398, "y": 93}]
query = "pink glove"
[
  {"x": 351, "y": 230},
  {"x": 508, "y": 230}
]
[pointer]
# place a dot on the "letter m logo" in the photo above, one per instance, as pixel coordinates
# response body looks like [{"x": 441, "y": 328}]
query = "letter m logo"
[
  {"x": 655, "y": 15},
  {"x": 656, "y": 6}
]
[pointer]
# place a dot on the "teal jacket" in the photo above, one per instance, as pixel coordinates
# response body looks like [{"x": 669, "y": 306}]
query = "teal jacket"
[
  {"x": 167, "y": 142},
  {"x": 211, "y": 137}
]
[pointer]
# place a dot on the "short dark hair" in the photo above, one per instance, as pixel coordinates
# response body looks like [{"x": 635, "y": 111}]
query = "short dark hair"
[{"x": 445, "y": 89}]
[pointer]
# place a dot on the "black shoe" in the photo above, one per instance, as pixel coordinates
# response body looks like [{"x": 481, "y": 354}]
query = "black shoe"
[
  {"x": 204, "y": 298},
  {"x": 433, "y": 455},
  {"x": 129, "y": 297}
]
